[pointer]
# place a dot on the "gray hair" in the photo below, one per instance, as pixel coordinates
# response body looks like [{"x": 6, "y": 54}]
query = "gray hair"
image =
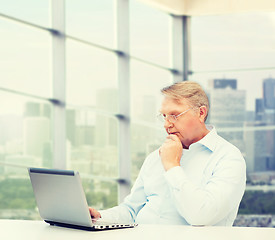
[{"x": 189, "y": 90}]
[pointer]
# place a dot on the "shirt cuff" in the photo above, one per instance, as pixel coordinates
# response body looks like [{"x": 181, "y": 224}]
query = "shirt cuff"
[{"x": 175, "y": 177}]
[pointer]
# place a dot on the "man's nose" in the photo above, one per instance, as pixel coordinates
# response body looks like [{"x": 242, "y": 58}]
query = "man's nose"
[{"x": 167, "y": 124}]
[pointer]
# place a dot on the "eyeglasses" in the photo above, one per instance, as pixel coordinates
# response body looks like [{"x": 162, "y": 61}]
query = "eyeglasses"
[{"x": 171, "y": 118}]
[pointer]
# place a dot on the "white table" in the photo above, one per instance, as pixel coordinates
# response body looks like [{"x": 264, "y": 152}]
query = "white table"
[{"x": 38, "y": 230}]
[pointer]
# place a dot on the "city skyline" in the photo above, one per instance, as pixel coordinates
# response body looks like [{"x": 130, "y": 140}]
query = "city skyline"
[{"x": 85, "y": 128}]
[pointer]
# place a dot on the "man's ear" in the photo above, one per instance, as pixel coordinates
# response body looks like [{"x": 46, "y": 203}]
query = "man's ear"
[{"x": 203, "y": 113}]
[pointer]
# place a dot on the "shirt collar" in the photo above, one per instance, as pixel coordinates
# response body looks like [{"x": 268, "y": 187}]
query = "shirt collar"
[{"x": 210, "y": 139}]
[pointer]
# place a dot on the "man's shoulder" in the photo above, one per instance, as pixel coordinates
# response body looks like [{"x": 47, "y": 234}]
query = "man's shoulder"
[
  {"x": 227, "y": 150},
  {"x": 227, "y": 154},
  {"x": 217, "y": 143},
  {"x": 225, "y": 144}
]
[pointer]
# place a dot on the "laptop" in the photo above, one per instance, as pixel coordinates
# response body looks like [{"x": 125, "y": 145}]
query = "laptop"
[{"x": 61, "y": 200}]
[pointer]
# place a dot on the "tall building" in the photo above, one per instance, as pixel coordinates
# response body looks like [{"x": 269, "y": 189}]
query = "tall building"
[
  {"x": 257, "y": 157},
  {"x": 269, "y": 93},
  {"x": 36, "y": 134},
  {"x": 259, "y": 144},
  {"x": 269, "y": 118},
  {"x": 84, "y": 135},
  {"x": 80, "y": 127},
  {"x": 70, "y": 126},
  {"x": 47, "y": 155},
  {"x": 260, "y": 140},
  {"x": 228, "y": 111},
  {"x": 259, "y": 109},
  {"x": 10, "y": 128},
  {"x": 145, "y": 133},
  {"x": 32, "y": 109},
  {"x": 106, "y": 127},
  {"x": 36, "y": 109},
  {"x": 223, "y": 84}
]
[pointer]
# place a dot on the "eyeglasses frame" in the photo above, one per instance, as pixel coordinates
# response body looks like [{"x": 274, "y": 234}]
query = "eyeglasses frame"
[{"x": 175, "y": 117}]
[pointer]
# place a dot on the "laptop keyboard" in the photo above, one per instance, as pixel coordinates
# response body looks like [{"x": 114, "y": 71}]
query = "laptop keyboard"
[{"x": 104, "y": 225}]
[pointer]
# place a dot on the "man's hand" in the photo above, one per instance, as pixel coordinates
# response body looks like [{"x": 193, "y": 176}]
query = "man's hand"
[
  {"x": 94, "y": 213},
  {"x": 170, "y": 152}
]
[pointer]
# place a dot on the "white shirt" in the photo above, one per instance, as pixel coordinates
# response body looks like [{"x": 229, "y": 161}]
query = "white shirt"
[{"x": 206, "y": 189}]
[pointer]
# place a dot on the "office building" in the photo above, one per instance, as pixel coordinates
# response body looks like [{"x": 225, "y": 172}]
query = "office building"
[
  {"x": 227, "y": 113},
  {"x": 71, "y": 126},
  {"x": 11, "y": 128},
  {"x": 36, "y": 133},
  {"x": 260, "y": 141},
  {"x": 256, "y": 141},
  {"x": 106, "y": 133},
  {"x": 259, "y": 109},
  {"x": 223, "y": 84},
  {"x": 35, "y": 109},
  {"x": 269, "y": 93}
]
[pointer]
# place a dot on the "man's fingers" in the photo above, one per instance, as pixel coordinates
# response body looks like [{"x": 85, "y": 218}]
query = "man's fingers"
[
  {"x": 170, "y": 139},
  {"x": 94, "y": 213},
  {"x": 173, "y": 137}
]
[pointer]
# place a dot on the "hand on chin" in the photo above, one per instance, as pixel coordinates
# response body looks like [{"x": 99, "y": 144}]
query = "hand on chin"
[{"x": 171, "y": 151}]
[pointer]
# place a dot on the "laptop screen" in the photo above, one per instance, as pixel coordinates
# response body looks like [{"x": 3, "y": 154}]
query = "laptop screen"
[{"x": 60, "y": 196}]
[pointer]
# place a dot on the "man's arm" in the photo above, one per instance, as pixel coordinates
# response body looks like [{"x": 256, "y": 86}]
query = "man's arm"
[
  {"x": 209, "y": 204},
  {"x": 128, "y": 210}
]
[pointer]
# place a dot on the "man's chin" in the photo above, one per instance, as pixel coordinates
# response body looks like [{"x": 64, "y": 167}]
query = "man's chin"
[{"x": 184, "y": 146}]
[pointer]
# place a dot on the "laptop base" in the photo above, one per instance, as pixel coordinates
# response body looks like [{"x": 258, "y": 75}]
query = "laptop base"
[{"x": 92, "y": 228}]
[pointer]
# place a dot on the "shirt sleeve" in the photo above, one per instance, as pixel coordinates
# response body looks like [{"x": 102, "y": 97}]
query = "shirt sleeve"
[
  {"x": 210, "y": 203},
  {"x": 127, "y": 211}
]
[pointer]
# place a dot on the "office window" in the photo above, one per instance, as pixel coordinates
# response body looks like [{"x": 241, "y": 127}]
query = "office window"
[
  {"x": 26, "y": 114},
  {"x": 16, "y": 196},
  {"x": 100, "y": 194},
  {"x": 33, "y": 11},
  {"x": 25, "y": 141},
  {"x": 92, "y": 99},
  {"x": 91, "y": 21},
  {"x": 92, "y": 141},
  {"x": 233, "y": 58},
  {"x": 25, "y": 58},
  {"x": 25, "y": 131},
  {"x": 231, "y": 42},
  {"x": 145, "y": 81},
  {"x": 147, "y": 134},
  {"x": 91, "y": 77},
  {"x": 149, "y": 34},
  {"x": 92, "y": 123}
]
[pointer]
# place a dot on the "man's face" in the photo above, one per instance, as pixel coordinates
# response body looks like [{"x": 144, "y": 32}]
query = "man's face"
[{"x": 188, "y": 126}]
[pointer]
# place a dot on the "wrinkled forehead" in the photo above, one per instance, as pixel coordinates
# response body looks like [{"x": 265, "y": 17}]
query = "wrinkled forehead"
[{"x": 169, "y": 104}]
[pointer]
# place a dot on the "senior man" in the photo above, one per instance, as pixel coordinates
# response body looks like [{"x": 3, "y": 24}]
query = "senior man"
[{"x": 195, "y": 178}]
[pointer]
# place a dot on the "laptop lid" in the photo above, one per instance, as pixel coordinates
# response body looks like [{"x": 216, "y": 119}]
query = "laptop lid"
[{"x": 60, "y": 196}]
